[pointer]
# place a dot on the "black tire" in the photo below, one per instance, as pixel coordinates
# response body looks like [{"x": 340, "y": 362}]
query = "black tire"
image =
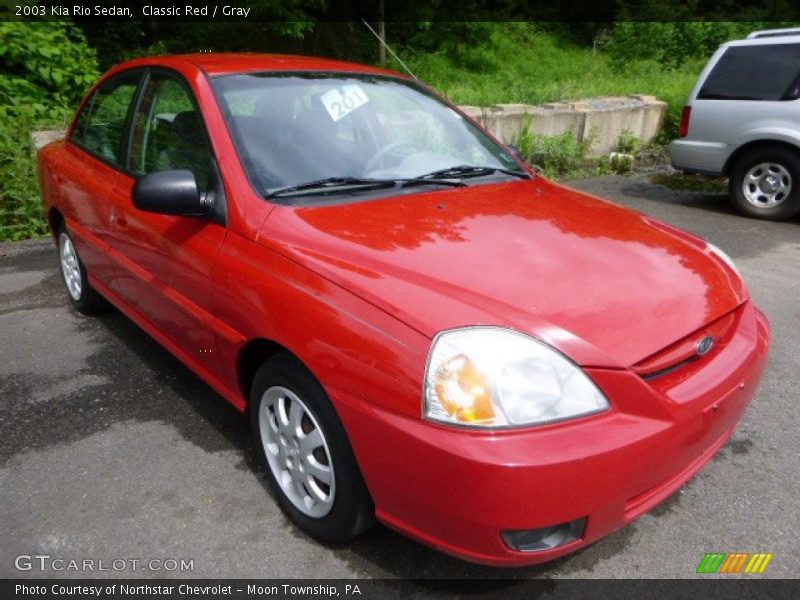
[
  {"x": 87, "y": 301},
  {"x": 352, "y": 511},
  {"x": 776, "y": 155}
]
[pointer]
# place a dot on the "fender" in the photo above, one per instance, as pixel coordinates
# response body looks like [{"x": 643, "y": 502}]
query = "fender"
[{"x": 767, "y": 133}]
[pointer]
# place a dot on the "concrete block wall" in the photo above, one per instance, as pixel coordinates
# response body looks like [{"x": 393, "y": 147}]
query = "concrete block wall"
[
  {"x": 598, "y": 121},
  {"x": 44, "y": 137}
]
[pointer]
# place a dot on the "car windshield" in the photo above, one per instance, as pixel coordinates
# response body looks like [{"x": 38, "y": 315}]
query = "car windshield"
[{"x": 343, "y": 130}]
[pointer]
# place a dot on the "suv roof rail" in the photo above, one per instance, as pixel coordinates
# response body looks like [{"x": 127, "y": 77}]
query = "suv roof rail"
[{"x": 765, "y": 33}]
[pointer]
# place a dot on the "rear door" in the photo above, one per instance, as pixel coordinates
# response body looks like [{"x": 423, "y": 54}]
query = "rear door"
[
  {"x": 168, "y": 259},
  {"x": 89, "y": 180}
]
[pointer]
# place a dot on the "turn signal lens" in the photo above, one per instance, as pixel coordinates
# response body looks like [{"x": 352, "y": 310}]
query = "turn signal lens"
[{"x": 463, "y": 391}]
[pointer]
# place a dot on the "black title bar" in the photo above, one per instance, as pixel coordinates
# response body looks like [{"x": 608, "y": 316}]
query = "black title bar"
[{"x": 396, "y": 11}]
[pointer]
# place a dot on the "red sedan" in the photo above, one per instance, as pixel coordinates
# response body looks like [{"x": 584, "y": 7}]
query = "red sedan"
[{"x": 421, "y": 329}]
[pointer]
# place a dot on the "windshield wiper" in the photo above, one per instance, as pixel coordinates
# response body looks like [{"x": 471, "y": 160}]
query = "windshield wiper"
[
  {"x": 427, "y": 180},
  {"x": 471, "y": 171},
  {"x": 339, "y": 184},
  {"x": 329, "y": 183}
]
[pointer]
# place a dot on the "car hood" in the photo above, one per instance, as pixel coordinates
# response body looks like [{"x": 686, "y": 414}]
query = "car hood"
[{"x": 604, "y": 284}]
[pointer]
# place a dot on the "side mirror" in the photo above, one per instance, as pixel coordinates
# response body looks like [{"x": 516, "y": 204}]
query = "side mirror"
[{"x": 169, "y": 193}]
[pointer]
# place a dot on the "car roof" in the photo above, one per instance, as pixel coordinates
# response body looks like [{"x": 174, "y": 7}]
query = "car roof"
[{"x": 226, "y": 63}]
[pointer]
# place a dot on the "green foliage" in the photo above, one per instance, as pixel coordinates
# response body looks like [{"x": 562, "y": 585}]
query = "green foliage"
[
  {"x": 671, "y": 44},
  {"x": 45, "y": 69},
  {"x": 556, "y": 155},
  {"x": 525, "y": 140},
  {"x": 45, "y": 65},
  {"x": 563, "y": 157},
  {"x": 534, "y": 65},
  {"x": 282, "y": 26},
  {"x": 629, "y": 143},
  {"x": 462, "y": 42},
  {"x": 20, "y": 205}
]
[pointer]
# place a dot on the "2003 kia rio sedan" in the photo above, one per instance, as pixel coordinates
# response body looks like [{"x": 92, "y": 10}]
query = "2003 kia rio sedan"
[{"x": 421, "y": 329}]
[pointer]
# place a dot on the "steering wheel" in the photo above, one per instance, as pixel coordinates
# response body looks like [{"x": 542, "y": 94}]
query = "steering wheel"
[{"x": 372, "y": 163}]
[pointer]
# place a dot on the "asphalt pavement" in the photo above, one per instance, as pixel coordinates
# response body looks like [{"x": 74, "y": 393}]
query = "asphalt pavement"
[{"x": 111, "y": 449}]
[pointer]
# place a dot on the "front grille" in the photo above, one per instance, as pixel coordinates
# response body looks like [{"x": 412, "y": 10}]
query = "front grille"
[{"x": 684, "y": 351}]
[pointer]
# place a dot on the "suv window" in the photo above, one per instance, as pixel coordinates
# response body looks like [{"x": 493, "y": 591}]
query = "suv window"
[
  {"x": 168, "y": 132},
  {"x": 101, "y": 125},
  {"x": 764, "y": 72}
]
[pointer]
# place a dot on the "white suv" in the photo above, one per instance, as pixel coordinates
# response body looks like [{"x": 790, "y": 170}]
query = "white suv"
[{"x": 742, "y": 120}]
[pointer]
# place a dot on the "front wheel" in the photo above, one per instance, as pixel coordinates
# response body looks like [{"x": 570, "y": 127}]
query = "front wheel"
[
  {"x": 310, "y": 466},
  {"x": 765, "y": 183}
]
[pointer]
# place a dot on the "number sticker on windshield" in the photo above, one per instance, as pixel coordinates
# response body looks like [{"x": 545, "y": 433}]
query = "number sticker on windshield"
[{"x": 340, "y": 103}]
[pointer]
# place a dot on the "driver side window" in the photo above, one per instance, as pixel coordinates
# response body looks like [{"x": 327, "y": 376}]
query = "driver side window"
[{"x": 168, "y": 132}]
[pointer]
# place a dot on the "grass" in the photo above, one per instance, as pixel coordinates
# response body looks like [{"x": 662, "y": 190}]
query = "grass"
[{"x": 523, "y": 64}]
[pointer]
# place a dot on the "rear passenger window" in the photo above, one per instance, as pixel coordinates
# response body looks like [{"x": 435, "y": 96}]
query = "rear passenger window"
[
  {"x": 769, "y": 72},
  {"x": 100, "y": 128}
]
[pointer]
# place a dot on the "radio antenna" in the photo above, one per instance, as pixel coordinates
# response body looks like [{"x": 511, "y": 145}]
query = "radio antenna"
[{"x": 385, "y": 45}]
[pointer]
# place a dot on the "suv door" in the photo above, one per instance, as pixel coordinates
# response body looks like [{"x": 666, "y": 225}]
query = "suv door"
[
  {"x": 168, "y": 259},
  {"x": 88, "y": 177}
]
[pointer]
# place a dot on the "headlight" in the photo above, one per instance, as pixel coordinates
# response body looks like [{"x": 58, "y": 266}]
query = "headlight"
[
  {"x": 723, "y": 257},
  {"x": 494, "y": 377}
]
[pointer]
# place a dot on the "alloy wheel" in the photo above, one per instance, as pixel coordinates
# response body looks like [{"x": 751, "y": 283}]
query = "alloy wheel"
[
  {"x": 297, "y": 452},
  {"x": 70, "y": 266}
]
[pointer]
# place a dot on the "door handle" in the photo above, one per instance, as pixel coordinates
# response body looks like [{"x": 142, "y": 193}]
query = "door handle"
[{"x": 117, "y": 219}]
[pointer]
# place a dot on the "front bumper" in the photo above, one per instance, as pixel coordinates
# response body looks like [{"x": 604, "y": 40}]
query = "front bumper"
[{"x": 456, "y": 490}]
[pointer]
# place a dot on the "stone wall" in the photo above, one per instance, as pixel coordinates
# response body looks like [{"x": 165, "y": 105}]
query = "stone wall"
[
  {"x": 44, "y": 137},
  {"x": 599, "y": 121}
]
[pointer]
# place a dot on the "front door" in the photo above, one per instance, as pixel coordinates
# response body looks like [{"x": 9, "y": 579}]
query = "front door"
[{"x": 167, "y": 277}]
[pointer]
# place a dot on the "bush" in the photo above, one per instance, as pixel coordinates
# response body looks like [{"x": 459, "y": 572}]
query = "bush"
[
  {"x": 45, "y": 69},
  {"x": 556, "y": 155},
  {"x": 671, "y": 44},
  {"x": 20, "y": 204},
  {"x": 46, "y": 65},
  {"x": 629, "y": 143}
]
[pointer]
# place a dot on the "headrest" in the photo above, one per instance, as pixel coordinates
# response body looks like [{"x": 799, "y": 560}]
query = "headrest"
[{"x": 187, "y": 125}]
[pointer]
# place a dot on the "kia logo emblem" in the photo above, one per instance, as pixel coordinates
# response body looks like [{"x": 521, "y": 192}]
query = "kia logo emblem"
[{"x": 704, "y": 345}]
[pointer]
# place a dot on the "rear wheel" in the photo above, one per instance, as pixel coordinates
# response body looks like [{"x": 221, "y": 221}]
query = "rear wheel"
[
  {"x": 83, "y": 296},
  {"x": 310, "y": 466},
  {"x": 765, "y": 183}
]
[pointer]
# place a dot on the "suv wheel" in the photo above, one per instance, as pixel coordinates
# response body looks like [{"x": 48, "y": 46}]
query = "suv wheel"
[
  {"x": 310, "y": 466},
  {"x": 765, "y": 183}
]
